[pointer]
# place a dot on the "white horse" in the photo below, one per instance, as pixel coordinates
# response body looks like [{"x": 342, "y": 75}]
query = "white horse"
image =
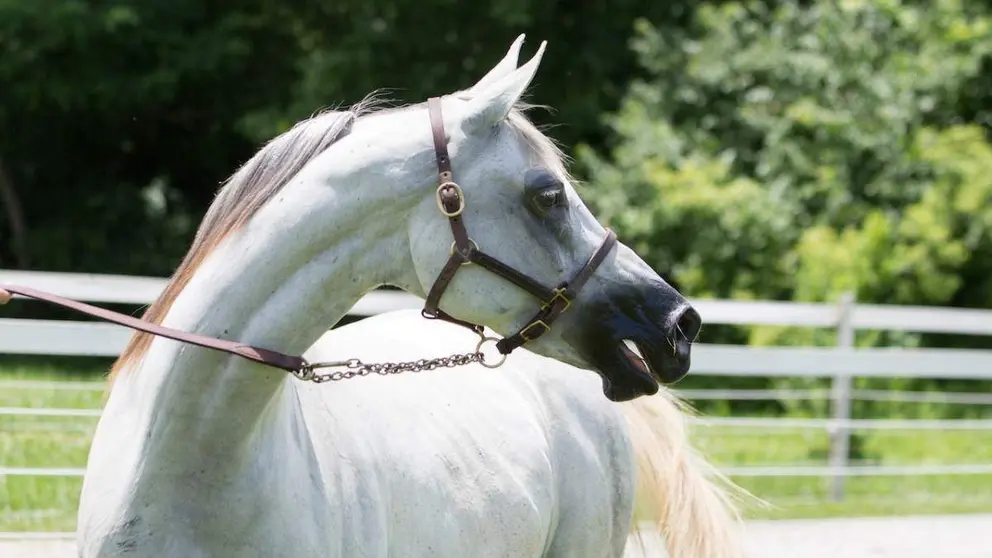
[{"x": 199, "y": 453}]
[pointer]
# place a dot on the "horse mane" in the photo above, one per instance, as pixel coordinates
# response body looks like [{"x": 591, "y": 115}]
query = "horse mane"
[
  {"x": 547, "y": 150},
  {"x": 263, "y": 176},
  {"x": 240, "y": 197}
]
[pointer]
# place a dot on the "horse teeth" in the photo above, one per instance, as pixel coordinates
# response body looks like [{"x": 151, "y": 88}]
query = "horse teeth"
[{"x": 633, "y": 348}]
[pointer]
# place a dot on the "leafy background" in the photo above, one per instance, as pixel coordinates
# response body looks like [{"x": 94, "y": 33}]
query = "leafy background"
[{"x": 786, "y": 150}]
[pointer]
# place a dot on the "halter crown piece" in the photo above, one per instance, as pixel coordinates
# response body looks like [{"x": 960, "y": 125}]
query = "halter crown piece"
[{"x": 451, "y": 203}]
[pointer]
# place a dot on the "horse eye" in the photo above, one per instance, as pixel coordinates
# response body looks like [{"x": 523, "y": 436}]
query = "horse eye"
[
  {"x": 550, "y": 198},
  {"x": 544, "y": 191}
]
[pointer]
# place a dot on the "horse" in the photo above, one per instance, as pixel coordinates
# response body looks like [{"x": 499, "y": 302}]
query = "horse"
[{"x": 461, "y": 201}]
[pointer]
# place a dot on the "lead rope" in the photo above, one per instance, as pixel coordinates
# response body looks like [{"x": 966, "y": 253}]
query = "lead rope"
[{"x": 297, "y": 366}]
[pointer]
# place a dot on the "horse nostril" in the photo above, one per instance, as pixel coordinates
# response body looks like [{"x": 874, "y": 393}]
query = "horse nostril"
[{"x": 688, "y": 323}]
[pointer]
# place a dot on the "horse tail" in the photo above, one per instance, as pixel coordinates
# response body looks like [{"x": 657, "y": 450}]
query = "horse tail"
[{"x": 683, "y": 503}]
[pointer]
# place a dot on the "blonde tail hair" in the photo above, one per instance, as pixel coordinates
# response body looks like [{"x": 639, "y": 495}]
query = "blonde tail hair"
[{"x": 683, "y": 503}]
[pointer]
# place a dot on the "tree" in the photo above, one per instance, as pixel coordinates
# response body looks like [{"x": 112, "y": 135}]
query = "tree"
[
  {"x": 121, "y": 118},
  {"x": 777, "y": 135},
  {"x": 797, "y": 151},
  {"x": 118, "y": 120}
]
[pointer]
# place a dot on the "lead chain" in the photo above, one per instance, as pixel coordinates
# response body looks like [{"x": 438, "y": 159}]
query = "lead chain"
[{"x": 355, "y": 367}]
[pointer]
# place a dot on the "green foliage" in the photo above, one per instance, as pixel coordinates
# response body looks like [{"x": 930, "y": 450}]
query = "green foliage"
[
  {"x": 116, "y": 121},
  {"x": 807, "y": 149},
  {"x": 765, "y": 149},
  {"x": 801, "y": 151},
  {"x": 119, "y": 119},
  {"x": 50, "y": 503}
]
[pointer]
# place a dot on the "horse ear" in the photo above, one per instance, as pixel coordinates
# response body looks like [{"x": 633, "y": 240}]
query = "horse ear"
[
  {"x": 500, "y": 70},
  {"x": 491, "y": 105}
]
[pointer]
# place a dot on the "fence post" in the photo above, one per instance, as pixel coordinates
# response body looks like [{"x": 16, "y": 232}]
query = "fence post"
[{"x": 840, "y": 438}]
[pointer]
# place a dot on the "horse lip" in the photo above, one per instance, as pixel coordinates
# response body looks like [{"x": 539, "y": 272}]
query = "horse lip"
[
  {"x": 664, "y": 366},
  {"x": 632, "y": 353}
]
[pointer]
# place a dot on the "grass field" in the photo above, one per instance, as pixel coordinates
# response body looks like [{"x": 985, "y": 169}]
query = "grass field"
[{"x": 49, "y": 503}]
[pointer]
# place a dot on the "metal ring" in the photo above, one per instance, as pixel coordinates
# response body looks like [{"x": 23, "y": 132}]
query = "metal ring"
[
  {"x": 474, "y": 247},
  {"x": 478, "y": 349},
  {"x": 440, "y": 204}
]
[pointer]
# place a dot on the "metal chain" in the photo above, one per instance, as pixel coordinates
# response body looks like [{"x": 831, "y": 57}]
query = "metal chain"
[{"x": 354, "y": 367}]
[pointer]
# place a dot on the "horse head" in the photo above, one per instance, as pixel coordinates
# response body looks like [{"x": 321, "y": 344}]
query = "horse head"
[{"x": 516, "y": 249}]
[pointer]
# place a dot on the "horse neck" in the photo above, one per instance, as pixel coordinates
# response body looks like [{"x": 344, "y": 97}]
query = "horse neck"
[{"x": 279, "y": 283}]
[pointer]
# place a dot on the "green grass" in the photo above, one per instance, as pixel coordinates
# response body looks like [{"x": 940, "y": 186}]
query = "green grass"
[
  {"x": 44, "y": 503},
  {"x": 49, "y": 503},
  {"x": 807, "y": 497}
]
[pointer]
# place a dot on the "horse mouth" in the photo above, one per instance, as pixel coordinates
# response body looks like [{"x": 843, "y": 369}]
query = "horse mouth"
[
  {"x": 637, "y": 368},
  {"x": 632, "y": 354}
]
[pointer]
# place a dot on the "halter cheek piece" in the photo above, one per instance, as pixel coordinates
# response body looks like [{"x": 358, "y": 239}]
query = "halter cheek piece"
[{"x": 451, "y": 202}]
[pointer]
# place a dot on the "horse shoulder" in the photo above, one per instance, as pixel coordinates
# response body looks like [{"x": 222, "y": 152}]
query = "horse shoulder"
[{"x": 594, "y": 462}]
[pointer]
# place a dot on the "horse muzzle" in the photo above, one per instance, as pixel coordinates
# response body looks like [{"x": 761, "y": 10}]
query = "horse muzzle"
[{"x": 637, "y": 341}]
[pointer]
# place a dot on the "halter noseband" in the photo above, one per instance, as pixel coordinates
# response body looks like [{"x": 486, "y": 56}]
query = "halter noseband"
[{"x": 451, "y": 203}]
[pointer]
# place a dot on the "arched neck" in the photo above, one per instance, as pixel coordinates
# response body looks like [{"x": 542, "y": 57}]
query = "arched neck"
[{"x": 278, "y": 283}]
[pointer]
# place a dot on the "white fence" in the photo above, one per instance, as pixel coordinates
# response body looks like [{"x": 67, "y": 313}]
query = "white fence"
[{"x": 841, "y": 363}]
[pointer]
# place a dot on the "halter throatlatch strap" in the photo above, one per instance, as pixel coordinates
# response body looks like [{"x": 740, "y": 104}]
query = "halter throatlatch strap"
[
  {"x": 257, "y": 354},
  {"x": 451, "y": 203}
]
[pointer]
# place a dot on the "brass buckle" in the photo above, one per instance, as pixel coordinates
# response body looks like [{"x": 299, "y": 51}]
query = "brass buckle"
[
  {"x": 532, "y": 325},
  {"x": 559, "y": 293},
  {"x": 461, "y": 199}
]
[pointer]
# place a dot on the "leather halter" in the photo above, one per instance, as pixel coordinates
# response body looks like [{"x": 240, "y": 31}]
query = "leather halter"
[{"x": 451, "y": 202}]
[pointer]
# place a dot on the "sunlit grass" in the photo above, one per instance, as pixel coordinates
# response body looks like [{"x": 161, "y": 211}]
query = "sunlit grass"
[{"x": 49, "y": 503}]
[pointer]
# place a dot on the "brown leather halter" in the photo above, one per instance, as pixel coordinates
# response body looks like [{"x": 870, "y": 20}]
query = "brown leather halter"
[{"x": 451, "y": 202}]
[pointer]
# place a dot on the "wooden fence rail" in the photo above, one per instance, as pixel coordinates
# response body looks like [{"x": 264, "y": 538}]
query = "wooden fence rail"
[{"x": 841, "y": 362}]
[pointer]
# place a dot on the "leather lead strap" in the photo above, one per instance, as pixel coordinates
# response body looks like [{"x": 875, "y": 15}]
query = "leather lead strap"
[{"x": 256, "y": 354}]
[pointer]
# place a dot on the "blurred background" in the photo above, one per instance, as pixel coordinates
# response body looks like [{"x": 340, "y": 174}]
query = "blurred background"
[{"x": 817, "y": 174}]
